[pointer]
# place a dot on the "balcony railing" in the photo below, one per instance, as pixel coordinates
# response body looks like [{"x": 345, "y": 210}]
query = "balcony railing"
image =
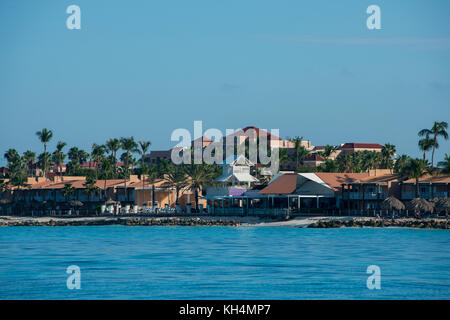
[
  {"x": 424, "y": 195},
  {"x": 367, "y": 195}
]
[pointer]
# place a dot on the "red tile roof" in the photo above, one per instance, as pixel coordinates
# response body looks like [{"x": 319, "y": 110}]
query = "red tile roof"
[
  {"x": 259, "y": 132},
  {"x": 158, "y": 183},
  {"x": 77, "y": 184},
  {"x": 431, "y": 179},
  {"x": 285, "y": 184},
  {"x": 353, "y": 145},
  {"x": 335, "y": 180},
  {"x": 381, "y": 178}
]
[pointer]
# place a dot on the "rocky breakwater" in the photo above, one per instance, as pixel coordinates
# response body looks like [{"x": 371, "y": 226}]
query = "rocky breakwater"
[
  {"x": 169, "y": 221},
  {"x": 380, "y": 223}
]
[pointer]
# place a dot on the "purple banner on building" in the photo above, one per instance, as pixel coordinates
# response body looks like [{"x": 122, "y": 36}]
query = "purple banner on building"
[{"x": 236, "y": 192}]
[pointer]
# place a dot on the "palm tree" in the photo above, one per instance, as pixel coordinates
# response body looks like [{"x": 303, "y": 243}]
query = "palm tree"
[
  {"x": 90, "y": 186},
  {"x": 302, "y": 153},
  {"x": 328, "y": 151},
  {"x": 18, "y": 177},
  {"x": 298, "y": 149},
  {"x": 429, "y": 169},
  {"x": 144, "y": 148},
  {"x": 152, "y": 175},
  {"x": 132, "y": 162},
  {"x": 329, "y": 166},
  {"x": 445, "y": 165},
  {"x": 11, "y": 155},
  {"x": 344, "y": 162},
  {"x": 388, "y": 152},
  {"x": 438, "y": 129},
  {"x": 68, "y": 190},
  {"x": 177, "y": 179},
  {"x": 129, "y": 146},
  {"x": 144, "y": 169},
  {"x": 163, "y": 167},
  {"x": 77, "y": 155},
  {"x": 200, "y": 175},
  {"x": 425, "y": 145},
  {"x": 124, "y": 172},
  {"x": 59, "y": 156},
  {"x": 365, "y": 161},
  {"x": 357, "y": 161},
  {"x": 44, "y": 162},
  {"x": 29, "y": 157},
  {"x": 105, "y": 166},
  {"x": 283, "y": 157},
  {"x": 17, "y": 169},
  {"x": 400, "y": 163},
  {"x": 113, "y": 145},
  {"x": 45, "y": 136},
  {"x": 414, "y": 169},
  {"x": 97, "y": 153}
]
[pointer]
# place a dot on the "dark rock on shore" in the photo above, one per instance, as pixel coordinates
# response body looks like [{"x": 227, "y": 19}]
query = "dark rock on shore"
[
  {"x": 169, "y": 221},
  {"x": 380, "y": 223}
]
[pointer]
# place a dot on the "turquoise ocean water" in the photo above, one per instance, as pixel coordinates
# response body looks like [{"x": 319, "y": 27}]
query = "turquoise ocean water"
[{"x": 120, "y": 262}]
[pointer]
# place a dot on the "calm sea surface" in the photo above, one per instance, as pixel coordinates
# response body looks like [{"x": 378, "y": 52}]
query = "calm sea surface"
[{"x": 119, "y": 262}]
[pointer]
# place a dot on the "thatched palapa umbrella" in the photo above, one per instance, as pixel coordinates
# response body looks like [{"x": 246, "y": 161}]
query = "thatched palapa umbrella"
[
  {"x": 420, "y": 204},
  {"x": 441, "y": 205},
  {"x": 392, "y": 203}
]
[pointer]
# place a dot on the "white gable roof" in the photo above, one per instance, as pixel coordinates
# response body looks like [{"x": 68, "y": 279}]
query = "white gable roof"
[
  {"x": 236, "y": 160},
  {"x": 315, "y": 178},
  {"x": 241, "y": 177}
]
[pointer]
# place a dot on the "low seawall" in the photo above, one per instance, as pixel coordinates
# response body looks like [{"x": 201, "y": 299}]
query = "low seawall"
[
  {"x": 382, "y": 223},
  {"x": 127, "y": 221},
  {"x": 299, "y": 222}
]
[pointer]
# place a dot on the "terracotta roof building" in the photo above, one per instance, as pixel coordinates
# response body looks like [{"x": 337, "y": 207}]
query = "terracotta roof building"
[
  {"x": 273, "y": 141},
  {"x": 355, "y": 147},
  {"x": 291, "y": 191},
  {"x": 430, "y": 187}
]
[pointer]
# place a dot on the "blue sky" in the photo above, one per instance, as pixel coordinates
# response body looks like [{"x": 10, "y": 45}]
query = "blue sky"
[{"x": 145, "y": 68}]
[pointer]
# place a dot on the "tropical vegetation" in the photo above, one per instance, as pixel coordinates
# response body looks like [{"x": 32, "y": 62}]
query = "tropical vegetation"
[{"x": 103, "y": 163}]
